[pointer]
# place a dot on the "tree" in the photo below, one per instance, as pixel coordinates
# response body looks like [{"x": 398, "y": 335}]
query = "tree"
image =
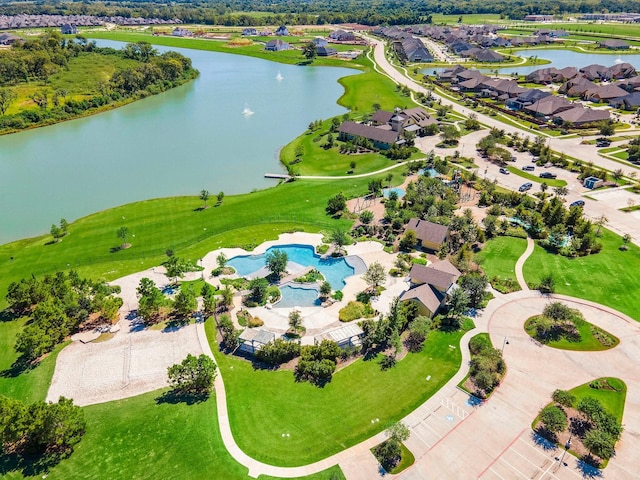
[
  {"x": 222, "y": 260},
  {"x": 208, "y": 299},
  {"x": 449, "y": 134},
  {"x": 277, "y": 262},
  {"x": 336, "y": 204},
  {"x": 309, "y": 50},
  {"x": 601, "y": 222},
  {"x": 56, "y": 233},
  {"x": 564, "y": 398},
  {"x": 64, "y": 226},
  {"x": 325, "y": 289},
  {"x": 543, "y": 187},
  {"x": 388, "y": 453},
  {"x": 475, "y": 285},
  {"x": 599, "y": 443},
  {"x": 150, "y": 305},
  {"x": 227, "y": 297},
  {"x": 185, "y": 303},
  {"x": 375, "y": 275},
  {"x": 295, "y": 320},
  {"x": 145, "y": 287},
  {"x": 194, "y": 376},
  {"x": 547, "y": 284},
  {"x": 123, "y": 233},
  {"x": 458, "y": 302},
  {"x": 398, "y": 432},
  {"x": 606, "y": 128},
  {"x": 339, "y": 238},
  {"x": 554, "y": 419},
  {"x": 617, "y": 175},
  {"x": 7, "y": 97},
  {"x": 54, "y": 427},
  {"x": 41, "y": 98},
  {"x": 561, "y": 191},
  {"x": 366, "y": 217},
  {"x": 259, "y": 289},
  {"x": 408, "y": 241},
  {"x": 220, "y": 197},
  {"x": 204, "y": 196}
]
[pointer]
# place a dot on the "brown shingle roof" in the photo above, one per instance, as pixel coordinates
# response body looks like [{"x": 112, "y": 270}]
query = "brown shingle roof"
[
  {"x": 372, "y": 133},
  {"x": 426, "y": 294},
  {"x": 428, "y": 231},
  {"x": 434, "y": 277}
]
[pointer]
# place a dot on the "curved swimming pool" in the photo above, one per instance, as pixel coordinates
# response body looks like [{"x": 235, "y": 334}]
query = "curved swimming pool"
[
  {"x": 334, "y": 270},
  {"x": 298, "y": 296}
]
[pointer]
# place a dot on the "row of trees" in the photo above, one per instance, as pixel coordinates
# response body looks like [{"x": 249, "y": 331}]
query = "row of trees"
[{"x": 57, "y": 305}]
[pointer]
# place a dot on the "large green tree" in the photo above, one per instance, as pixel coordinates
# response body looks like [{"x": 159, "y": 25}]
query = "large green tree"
[
  {"x": 194, "y": 376},
  {"x": 276, "y": 261}
]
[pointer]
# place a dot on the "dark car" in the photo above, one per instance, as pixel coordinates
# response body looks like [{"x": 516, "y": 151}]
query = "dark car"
[
  {"x": 602, "y": 142},
  {"x": 548, "y": 175},
  {"x": 528, "y": 168},
  {"x": 525, "y": 186},
  {"x": 504, "y": 171},
  {"x": 577, "y": 203}
]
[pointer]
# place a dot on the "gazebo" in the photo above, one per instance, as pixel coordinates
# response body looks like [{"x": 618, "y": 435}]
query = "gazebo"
[
  {"x": 347, "y": 336},
  {"x": 253, "y": 339}
]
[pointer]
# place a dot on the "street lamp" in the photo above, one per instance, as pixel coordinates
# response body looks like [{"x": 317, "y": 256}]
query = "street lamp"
[{"x": 504, "y": 342}]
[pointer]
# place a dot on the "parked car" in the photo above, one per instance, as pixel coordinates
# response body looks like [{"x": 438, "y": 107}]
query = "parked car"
[
  {"x": 525, "y": 186},
  {"x": 528, "y": 168},
  {"x": 504, "y": 171},
  {"x": 577, "y": 203},
  {"x": 603, "y": 142},
  {"x": 548, "y": 175}
]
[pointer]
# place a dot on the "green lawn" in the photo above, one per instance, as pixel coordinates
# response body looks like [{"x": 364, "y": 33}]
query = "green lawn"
[
  {"x": 535, "y": 178},
  {"x": 407, "y": 459},
  {"x": 612, "y": 400},
  {"x": 322, "y": 421},
  {"x": 139, "y": 438},
  {"x": 499, "y": 256},
  {"x": 588, "y": 342},
  {"x": 175, "y": 223},
  {"x": 609, "y": 277}
]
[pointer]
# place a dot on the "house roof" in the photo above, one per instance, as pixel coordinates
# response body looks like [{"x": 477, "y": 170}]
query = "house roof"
[
  {"x": 326, "y": 51},
  {"x": 257, "y": 335},
  {"x": 428, "y": 231},
  {"x": 446, "y": 266},
  {"x": 340, "y": 334},
  {"x": 630, "y": 100},
  {"x": 532, "y": 95},
  {"x": 425, "y": 294},
  {"x": 488, "y": 56},
  {"x": 382, "y": 116},
  {"x": 614, "y": 43},
  {"x": 419, "y": 116},
  {"x": 439, "y": 279},
  {"x": 580, "y": 115},
  {"x": 606, "y": 92},
  {"x": 549, "y": 105},
  {"x": 372, "y": 133}
]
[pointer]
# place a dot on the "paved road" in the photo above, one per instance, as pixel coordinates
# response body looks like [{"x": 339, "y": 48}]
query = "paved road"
[{"x": 619, "y": 222}]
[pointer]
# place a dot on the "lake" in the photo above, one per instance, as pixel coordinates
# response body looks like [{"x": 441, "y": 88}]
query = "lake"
[{"x": 191, "y": 138}]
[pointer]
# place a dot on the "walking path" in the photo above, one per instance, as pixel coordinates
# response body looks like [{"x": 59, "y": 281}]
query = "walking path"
[{"x": 520, "y": 263}]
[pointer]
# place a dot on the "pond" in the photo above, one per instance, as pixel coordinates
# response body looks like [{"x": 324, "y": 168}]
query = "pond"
[{"x": 177, "y": 143}]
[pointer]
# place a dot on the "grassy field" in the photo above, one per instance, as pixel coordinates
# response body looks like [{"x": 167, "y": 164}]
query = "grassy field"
[
  {"x": 80, "y": 79},
  {"x": 141, "y": 437},
  {"x": 175, "y": 223},
  {"x": 468, "y": 19},
  {"x": 499, "y": 256},
  {"x": 612, "y": 400},
  {"x": 534, "y": 178},
  {"x": 322, "y": 421},
  {"x": 291, "y": 57},
  {"x": 588, "y": 342},
  {"x": 609, "y": 277}
]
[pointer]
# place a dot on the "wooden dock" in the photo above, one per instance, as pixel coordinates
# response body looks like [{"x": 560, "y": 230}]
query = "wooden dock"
[{"x": 280, "y": 176}]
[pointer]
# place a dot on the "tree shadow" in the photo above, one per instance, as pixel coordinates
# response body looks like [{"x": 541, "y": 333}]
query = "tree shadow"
[
  {"x": 18, "y": 367},
  {"x": 172, "y": 397},
  {"x": 29, "y": 465},
  {"x": 541, "y": 438},
  {"x": 7, "y": 315},
  {"x": 115, "y": 249},
  {"x": 589, "y": 466}
]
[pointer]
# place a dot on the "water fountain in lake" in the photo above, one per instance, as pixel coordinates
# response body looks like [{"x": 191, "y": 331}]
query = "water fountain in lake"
[
  {"x": 279, "y": 76},
  {"x": 247, "y": 111}
]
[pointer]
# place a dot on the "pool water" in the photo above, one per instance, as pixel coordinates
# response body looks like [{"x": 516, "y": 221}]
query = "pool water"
[
  {"x": 334, "y": 270},
  {"x": 387, "y": 191},
  {"x": 428, "y": 172},
  {"x": 298, "y": 297}
]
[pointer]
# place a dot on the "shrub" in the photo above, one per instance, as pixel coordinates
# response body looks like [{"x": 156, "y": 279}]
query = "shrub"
[
  {"x": 564, "y": 398},
  {"x": 278, "y": 352},
  {"x": 554, "y": 419},
  {"x": 354, "y": 310},
  {"x": 338, "y": 295}
]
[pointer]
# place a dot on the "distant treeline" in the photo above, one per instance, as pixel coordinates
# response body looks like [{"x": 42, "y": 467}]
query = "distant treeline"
[
  {"x": 40, "y": 57},
  {"x": 315, "y": 12}
]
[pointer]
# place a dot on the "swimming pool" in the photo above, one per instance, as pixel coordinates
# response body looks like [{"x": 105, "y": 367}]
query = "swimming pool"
[
  {"x": 334, "y": 270},
  {"x": 298, "y": 296},
  {"x": 429, "y": 172},
  {"x": 387, "y": 191}
]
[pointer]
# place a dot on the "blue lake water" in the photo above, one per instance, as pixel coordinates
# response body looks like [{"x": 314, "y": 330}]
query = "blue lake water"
[
  {"x": 298, "y": 297},
  {"x": 177, "y": 143},
  {"x": 334, "y": 270}
]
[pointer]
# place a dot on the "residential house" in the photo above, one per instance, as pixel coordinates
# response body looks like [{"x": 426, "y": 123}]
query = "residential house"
[
  {"x": 595, "y": 72},
  {"x": 630, "y": 101},
  {"x": 8, "y": 39},
  {"x": 343, "y": 36},
  {"x": 580, "y": 116},
  {"x": 282, "y": 31},
  {"x": 68, "y": 29},
  {"x": 622, "y": 70},
  {"x": 320, "y": 42},
  {"x": 630, "y": 84},
  {"x": 412, "y": 50},
  {"x": 475, "y": 84},
  {"x": 604, "y": 93},
  {"x": 430, "y": 285},
  {"x": 576, "y": 86},
  {"x": 538, "y": 18},
  {"x": 542, "y": 75},
  {"x": 181, "y": 32},
  {"x": 614, "y": 44},
  {"x": 529, "y": 97},
  {"x": 326, "y": 51},
  {"x": 566, "y": 73},
  {"x": 277, "y": 45},
  {"x": 249, "y": 32},
  {"x": 430, "y": 235},
  {"x": 450, "y": 73},
  {"x": 381, "y": 138},
  {"x": 548, "y": 106}
]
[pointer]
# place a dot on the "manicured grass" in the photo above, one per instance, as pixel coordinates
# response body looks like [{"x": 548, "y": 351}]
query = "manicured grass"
[
  {"x": 609, "y": 277},
  {"x": 29, "y": 386},
  {"x": 140, "y": 438},
  {"x": 291, "y": 57},
  {"x": 552, "y": 182},
  {"x": 322, "y": 421},
  {"x": 406, "y": 460},
  {"x": 175, "y": 223},
  {"x": 612, "y": 400},
  {"x": 499, "y": 255},
  {"x": 588, "y": 342}
]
